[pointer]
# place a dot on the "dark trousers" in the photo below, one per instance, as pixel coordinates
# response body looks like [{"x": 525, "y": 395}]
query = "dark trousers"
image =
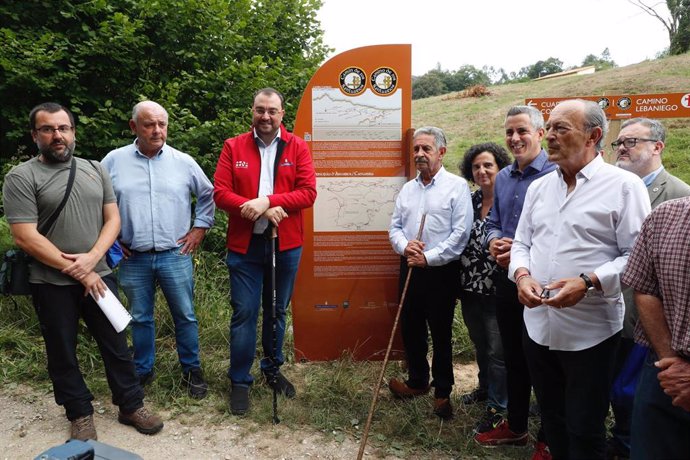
[
  {"x": 622, "y": 411},
  {"x": 659, "y": 430},
  {"x": 511, "y": 325},
  {"x": 430, "y": 302},
  {"x": 572, "y": 388},
  {"x": 59, "y": 309}
]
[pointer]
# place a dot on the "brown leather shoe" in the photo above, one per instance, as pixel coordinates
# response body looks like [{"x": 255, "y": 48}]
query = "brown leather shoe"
[
  {"x": 83, "y": 428},
  {"x": 402, "y": 391},
  {"x": 143, "y": 420},
  {"x": 443, "y": 409}
]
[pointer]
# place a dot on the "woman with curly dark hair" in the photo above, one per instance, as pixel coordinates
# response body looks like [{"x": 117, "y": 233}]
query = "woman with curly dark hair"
[{"x": 480, "y": 166}]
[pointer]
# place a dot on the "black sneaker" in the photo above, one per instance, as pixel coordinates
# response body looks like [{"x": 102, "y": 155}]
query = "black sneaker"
[
  {"x": 477, "y": 395},
  {"x": 196, "y": 386},
  {"x": 239, "y": 400},
  {"x": 280, "y": 384},
  {"x": 147, "y": 379},
  {"x": 490, "y": 420}
]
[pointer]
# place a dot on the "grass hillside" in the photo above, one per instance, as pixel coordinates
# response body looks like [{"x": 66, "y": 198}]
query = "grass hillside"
[{"x": 474, "y": 120}]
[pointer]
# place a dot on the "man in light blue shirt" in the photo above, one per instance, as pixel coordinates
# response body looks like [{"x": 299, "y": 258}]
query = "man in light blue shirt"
[
  {"x": 445, "y": 200},
  {"x": 154, "y": 184}
]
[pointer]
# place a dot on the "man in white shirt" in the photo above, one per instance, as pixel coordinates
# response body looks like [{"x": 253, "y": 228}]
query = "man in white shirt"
[
  {"x": 445, "y": 200},
  {"x": 570, "y": 248}
]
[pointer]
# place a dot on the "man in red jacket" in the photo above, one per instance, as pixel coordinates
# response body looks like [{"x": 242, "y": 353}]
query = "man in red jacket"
[{"x": 264, "y": 178}]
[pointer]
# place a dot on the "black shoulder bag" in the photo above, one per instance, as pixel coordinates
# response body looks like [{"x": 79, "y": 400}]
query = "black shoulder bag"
[{"x": 14, "y": 273}]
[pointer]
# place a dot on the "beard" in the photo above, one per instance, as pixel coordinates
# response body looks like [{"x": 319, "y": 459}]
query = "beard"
[{"x": 50, "y": 155}]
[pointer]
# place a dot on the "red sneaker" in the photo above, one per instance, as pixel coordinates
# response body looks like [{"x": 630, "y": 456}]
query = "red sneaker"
[
  {"x": 501, "y": 436},
  {"x": 541, "y": 451}
]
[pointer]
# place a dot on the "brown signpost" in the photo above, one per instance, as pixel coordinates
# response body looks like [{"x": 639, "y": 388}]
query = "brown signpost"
[
  {"x": 667, "y": 105},
  {"x": 621, "y": 107},
  {"x": 355, "y": 115}
]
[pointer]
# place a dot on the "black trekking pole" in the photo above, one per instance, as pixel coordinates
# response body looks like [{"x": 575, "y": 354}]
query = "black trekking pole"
[{"x": 274, "y": 321}]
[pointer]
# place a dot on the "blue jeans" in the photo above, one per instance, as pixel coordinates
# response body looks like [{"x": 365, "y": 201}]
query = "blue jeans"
[
  {"x": 658, "y": 429},
  {"x": 479, "y": 314},
  {"x": 250, "y": 287},
  {"x": 173, "y": 271}
]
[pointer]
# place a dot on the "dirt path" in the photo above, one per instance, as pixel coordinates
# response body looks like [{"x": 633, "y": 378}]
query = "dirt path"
[{"x": 31, "y": 422}]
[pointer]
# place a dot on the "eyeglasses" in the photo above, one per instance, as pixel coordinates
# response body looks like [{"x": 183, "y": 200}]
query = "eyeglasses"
[
  {"x": 49, "y": 130},
  {"x": 262, "y": 111},
  {"x": 630, "y": 142}
]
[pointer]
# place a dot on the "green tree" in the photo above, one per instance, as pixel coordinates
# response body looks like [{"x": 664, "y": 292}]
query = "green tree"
[
  {"x": 430, "y": 84},
  {"x": 599, "y": 62},
  {"x": 465, "y": 77},
  {"x": 201, "y": 59},
  {"x": 542, "y": 68},
  {"x": 677, "y": 23}
]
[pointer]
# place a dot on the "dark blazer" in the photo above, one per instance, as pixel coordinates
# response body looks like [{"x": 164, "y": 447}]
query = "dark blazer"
[{"x": 665, "y": 187}]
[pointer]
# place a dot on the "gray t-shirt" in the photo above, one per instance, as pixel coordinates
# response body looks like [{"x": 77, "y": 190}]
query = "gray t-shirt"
[{"x": 32, "y": 192}]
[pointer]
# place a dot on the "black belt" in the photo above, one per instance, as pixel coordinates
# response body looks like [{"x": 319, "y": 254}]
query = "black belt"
[{"x": 152, "y": 251}]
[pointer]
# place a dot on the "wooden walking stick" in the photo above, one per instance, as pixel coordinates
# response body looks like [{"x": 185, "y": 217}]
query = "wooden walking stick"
[{"x": 365, "y": 434}]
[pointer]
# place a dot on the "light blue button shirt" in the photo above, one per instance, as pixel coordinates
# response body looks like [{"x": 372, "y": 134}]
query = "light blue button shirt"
[
  {"x": 155, "y": 196},
  {"x": 447, "y": 204},
  {"x": 649, "y": 178}
]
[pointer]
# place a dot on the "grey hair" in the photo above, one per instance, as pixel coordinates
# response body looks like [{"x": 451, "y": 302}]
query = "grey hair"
[
  {"x": 595, "y": 117},
  {"x": 439, "y": 136},
  {"x": 536, "y": 118},
  {"x": 137, "y": 108},
  {"x": 656, "y": 129}
]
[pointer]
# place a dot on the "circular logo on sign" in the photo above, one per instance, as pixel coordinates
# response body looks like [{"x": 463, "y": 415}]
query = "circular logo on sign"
[
  {"x": 685, "y": 101},
  {"x": 384, "y": 80},
  {"x": 604, "y": 103},
  {"x": 624, "y": 103},
  {"x": 352, "y": 81}
]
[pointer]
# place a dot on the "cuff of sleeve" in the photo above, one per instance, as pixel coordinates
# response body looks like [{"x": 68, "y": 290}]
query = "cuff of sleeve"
[
  {"x": 610, "y": 283},
  {"x": 432, "y": 258}
]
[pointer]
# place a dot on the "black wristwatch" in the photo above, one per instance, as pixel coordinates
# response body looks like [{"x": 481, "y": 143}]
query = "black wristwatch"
[{"x": 590, "y": 289}]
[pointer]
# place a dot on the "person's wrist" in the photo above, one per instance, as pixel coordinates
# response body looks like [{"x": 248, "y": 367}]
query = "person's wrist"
[{"x": 522, "y": 276}]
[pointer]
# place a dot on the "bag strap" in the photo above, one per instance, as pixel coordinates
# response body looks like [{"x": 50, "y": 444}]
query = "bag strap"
[{"x": 70, "y": 181}]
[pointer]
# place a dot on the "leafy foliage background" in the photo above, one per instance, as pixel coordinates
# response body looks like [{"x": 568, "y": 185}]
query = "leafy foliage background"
[{"x": 201, "y": 59}]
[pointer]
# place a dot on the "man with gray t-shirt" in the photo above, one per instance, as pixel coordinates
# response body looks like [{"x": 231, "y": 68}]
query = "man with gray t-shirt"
[{"x": 69, "y": 269}]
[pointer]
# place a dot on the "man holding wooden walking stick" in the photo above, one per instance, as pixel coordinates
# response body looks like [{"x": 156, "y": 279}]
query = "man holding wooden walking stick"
[{"x": 430, "y": 300}]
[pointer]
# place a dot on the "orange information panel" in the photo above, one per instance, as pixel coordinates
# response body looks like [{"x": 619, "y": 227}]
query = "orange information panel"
[
  {"x": 354, "y": 115},
  {"x": 668, "y": 105}
]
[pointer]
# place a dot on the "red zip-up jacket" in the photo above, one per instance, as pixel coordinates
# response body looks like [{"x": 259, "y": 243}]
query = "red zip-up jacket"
[{"x": 237, "y": 181}]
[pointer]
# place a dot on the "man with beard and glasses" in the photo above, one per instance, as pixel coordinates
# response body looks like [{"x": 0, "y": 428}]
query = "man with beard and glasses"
[
  {"x": 69, "y": 270},
  {"x": 429, "y": 306}
]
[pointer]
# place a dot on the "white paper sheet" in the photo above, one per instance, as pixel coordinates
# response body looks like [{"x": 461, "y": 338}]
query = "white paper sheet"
[{"x": 118, "y": 316}]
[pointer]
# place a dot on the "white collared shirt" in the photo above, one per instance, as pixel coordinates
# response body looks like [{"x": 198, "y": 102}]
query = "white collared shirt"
[
  {"x": 561, "y": 235},
  {"x": 447, "y": 203},
  {"x": 268, "y": 160}
]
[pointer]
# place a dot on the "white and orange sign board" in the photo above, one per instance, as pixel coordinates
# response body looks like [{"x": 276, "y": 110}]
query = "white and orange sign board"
[
  {"x": 354, "y": 114},
  {"x": 664, "y": 105}
]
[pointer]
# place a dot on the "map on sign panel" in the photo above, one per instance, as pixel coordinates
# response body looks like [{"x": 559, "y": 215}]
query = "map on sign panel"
[
  {"x": 367, "y": 117},
  {"x": 355, "y": 204}
]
